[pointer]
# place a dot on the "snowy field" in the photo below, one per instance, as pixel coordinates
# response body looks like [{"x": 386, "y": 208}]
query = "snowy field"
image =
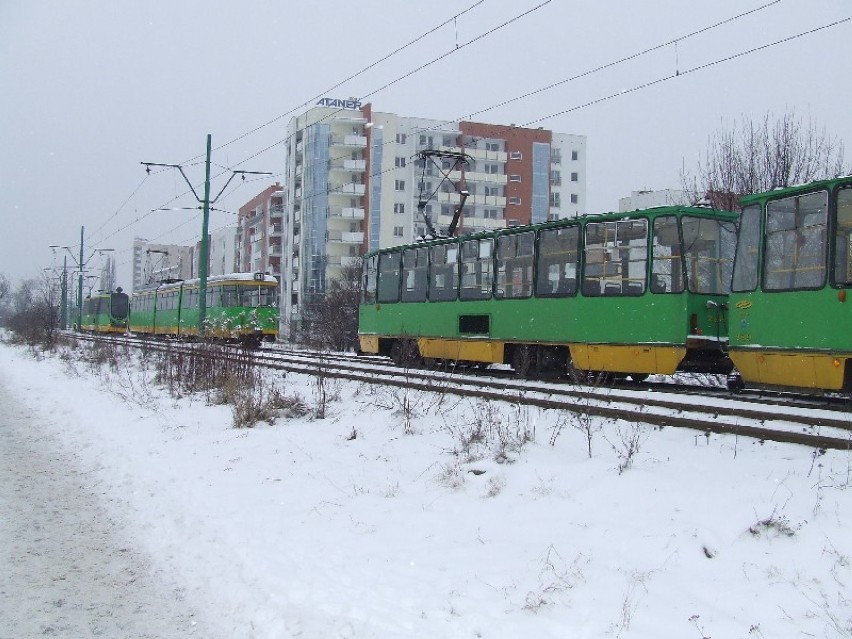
[{"x": 418, "y": 516}]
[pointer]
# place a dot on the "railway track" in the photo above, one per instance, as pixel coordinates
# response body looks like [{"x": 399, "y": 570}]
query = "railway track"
[{"x": 781, "y": 418}]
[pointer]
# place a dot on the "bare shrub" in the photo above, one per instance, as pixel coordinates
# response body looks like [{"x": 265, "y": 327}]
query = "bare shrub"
[
  {"x": 408, "y": 402},
  {"x": 451, "y": 476},
  {"x": 555, "y": 576},
  {"x": 204, "y": 367},
  {"x": 626, "y": 442},
  {"x": 493, "y": 431},
  {"x": 774, "y": 525}
]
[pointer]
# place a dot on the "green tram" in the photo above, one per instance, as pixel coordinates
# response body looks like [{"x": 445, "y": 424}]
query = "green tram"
[
  {"x": 627, "y": 294},
  {"x": 790, "y": 319},
  {"x": 106, "y": 312},
  {"x": 240, "y": 307}
]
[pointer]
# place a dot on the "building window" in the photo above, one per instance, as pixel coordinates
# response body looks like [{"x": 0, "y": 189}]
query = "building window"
[
  {"x": 492, "y": 168},
  {"x": 425, "y": 140},
  {"x": 399, "y": 185},
  {"x": 516, "y": 155},
  {"x": 449, "y": 140},
  {"x": 555, "y": 200},
  {"x": 575, "y": 155},
  {"x": 397, "y": 231},
  {"x": 514, "y": 178},
  {"x": 555, "y": 178},
  {"x": 492, "y": 190},
  {"x": 555, "y": 156},
  {"x": 400, "y": 138},
  {"x": 400, "y": 162},
  {"x": 575, "y": 177},
  {"x": 514, "y": 200},
  {"x": 399, "y": 207},
  {"x": 574, "y": 198},
  {"x": 492, "y": 146}
]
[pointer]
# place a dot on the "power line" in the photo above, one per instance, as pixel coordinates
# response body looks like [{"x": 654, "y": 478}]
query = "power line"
[
  {"x": 353, "y": 76},
  {"x": 700, "y": 67},
  {"x": 384, "y": 58},
  {"x": 406, "y": 75},
  {"x": 628, "y": 58}
]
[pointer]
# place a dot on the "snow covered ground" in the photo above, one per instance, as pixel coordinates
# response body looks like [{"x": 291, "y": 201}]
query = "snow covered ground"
[{"x": 439, "y": 521}]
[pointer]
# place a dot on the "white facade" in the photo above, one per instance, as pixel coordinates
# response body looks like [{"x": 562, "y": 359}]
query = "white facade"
[
  {"x": 154, "y": 263},
  {"x": 649, "y": 199},
  {"x": 223, "y": 251}
]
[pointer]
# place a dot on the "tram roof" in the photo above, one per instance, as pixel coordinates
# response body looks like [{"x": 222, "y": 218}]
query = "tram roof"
[
  {"x": 236, "y": 278},
  {"x": 657, "y": 211},
  {"x": 796, "y": 189}
]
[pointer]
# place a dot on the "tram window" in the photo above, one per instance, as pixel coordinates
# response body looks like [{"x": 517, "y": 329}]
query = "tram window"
[
  {"x": 476, "y": 264},
  {"x": 515, "y": 265},
  {"x": 708, "y": 247},
  {"x": 214, "y": 296},
  {"x": 667, "y": 265},
  {"x": 616, "y": 258},
  {"x": 557, "y": 262},
  {"x": 230, "y": 296},
  {"x": 371, "y": 267},
  {"x": 843, "y": 239},
  {"x": 415, "y": 273},
  {"x": 795, "y": 242},
  {"x": 747, "y": 253},
  {"x": 268, "y": 295},
  {"x": 443, "y": 272},
  {"x": 388, "y": 286}
]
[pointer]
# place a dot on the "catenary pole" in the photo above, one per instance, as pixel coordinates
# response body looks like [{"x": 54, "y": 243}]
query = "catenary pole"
[
  {"x": 202, "y": 267},
  {"x": 80, "y": 286},
  {"x": 63, "y": 305}
]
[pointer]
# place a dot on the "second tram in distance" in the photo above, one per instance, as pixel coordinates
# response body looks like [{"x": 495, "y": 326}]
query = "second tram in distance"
[
  {"x": 240, "y": 307},
  {"x": 627, "y": 294},
  {"x": 106, "y": 312}
]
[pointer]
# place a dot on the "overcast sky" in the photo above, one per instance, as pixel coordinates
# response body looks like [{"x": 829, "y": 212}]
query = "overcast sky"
[{"x": 90, "y": 89}]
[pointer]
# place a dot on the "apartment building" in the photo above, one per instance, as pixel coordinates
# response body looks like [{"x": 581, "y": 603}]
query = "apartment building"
[
  {"x": 259, "y": 233},
  {"x": 154, "y": 263},
  {"x": 355, "y": 180}
]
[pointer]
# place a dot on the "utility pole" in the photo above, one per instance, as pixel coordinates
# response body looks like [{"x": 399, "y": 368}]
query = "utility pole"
[
  {"x": 205, "y": 249},
  {"x": 204, "y": 258},
  {"x": 63, "y": 305},
  {"x": 80, "y": 286},
  {"x": 81, "y": 267}
]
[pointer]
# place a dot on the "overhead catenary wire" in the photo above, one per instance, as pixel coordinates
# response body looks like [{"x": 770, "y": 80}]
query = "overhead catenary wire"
[
  {"x": 584, "y": 74},
  {"x": 680, "y": 74},
  {"x": 408, "y": 74}
]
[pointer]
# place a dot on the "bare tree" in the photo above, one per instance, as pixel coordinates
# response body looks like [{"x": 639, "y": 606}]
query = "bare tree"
[
  {"x": 5, "y": 289},
  {"x": 35, "y": 314},
  {"x": 754, "y": 156},
  {"x": 331, "y": 319}
]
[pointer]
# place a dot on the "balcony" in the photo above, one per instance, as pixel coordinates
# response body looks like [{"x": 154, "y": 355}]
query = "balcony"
[
  {"x": 352, "y": 213},
  {"x": 353, "y": 141},
  {"x": 348, "y": 165},
  {"x": 491, "y": 178},
  {"x": 349, "y": 189},
  {"x": 346, "y": 237}
]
